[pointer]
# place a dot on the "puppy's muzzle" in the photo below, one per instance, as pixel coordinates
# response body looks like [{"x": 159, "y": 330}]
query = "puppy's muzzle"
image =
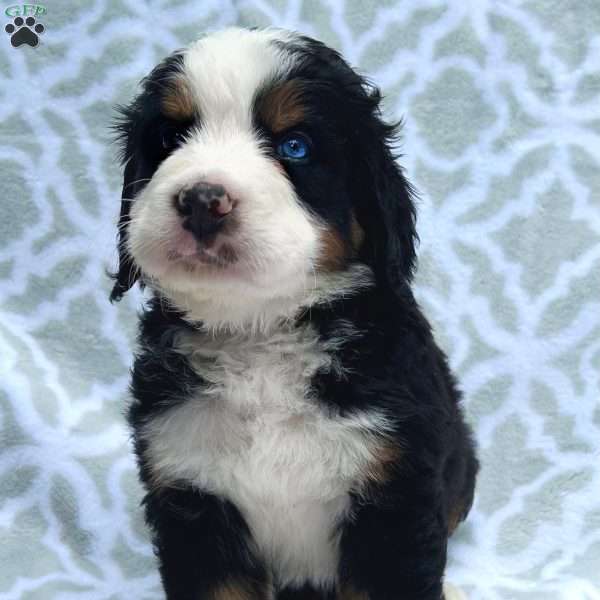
[{"x": 204, "y": 208}]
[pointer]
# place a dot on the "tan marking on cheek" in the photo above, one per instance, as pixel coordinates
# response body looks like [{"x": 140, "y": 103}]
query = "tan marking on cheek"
[
  {"x": 333, "y": 251},
  {"x": 282, "y": 108},
  {"x": 357, "y": 233},
  {"x": 178, "y": 102},
  {"x": 240, "y": 590}
]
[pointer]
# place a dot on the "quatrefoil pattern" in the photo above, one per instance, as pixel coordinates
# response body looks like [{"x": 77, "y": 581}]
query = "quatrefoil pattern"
[{"x": 501, "y": 102}]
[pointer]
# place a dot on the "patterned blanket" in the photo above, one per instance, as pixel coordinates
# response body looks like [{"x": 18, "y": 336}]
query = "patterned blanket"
[{"x": 502, "y": 137}]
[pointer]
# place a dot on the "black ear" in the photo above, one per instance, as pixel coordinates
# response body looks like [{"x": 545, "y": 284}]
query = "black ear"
[
  {"x": 126, "y": 130},
  {"x": 382, "y": 197},
  {"x": 132, "y": 127},
  {"x": 385, "y": 206},
  {"x": 127, "y": 273}
]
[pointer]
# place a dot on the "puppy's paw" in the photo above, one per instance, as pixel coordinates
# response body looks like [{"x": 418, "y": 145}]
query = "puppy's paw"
[{"x": 453, "y": 593}]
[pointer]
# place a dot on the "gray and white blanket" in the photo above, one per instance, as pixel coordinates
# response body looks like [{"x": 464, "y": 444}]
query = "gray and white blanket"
[{"x": 501, "y": 101}]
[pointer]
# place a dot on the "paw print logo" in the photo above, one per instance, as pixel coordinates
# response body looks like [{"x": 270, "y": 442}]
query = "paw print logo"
[{"x": 24, "y": 32}]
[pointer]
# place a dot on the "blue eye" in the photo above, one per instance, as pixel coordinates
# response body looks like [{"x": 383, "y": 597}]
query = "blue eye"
[{"x": 295, "y": 147}]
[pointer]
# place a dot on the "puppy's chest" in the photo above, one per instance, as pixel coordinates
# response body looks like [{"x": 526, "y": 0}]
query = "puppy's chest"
[
  {"x": 256, "y": 423},
  {"x": 256, "y": 435}
]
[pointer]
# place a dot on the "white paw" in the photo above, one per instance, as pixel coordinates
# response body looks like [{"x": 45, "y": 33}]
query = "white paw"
[{"x": 453, "y": 593}]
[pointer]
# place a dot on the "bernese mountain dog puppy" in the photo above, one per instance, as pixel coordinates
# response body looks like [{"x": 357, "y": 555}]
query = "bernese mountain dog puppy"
[{"x": 298, "y": 431}]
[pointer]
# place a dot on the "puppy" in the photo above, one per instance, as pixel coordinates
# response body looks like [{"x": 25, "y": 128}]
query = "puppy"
[{"x": 297, "y": 429}]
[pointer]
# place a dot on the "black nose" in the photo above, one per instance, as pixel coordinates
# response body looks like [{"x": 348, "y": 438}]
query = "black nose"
[{"x": 204, "y": 208}]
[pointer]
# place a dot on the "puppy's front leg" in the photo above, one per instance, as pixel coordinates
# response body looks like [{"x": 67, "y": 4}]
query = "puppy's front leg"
[
  {"x": 204, "y": 547},
  {"x": 394, "y": 547}
]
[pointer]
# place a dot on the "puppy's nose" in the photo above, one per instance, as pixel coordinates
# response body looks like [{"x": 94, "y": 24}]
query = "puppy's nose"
[{"x": 204, "y": 208}]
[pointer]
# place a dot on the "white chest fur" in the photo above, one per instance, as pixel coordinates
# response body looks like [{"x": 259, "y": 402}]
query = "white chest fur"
[{"x": 257, "y": 438}]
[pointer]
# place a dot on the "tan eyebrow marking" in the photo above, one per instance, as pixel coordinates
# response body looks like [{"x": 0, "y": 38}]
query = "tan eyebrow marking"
[
  {"x": 281, "y": 107},
  {"x": 178, "y": 102}
]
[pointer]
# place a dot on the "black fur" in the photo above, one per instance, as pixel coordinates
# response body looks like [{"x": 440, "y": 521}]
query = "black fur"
[
  {"x": 380, "y": 194},
  {"x": 196, "y": 545},
  {"x": 141, "y": 130},
  {"x": 394, "y": 544}
]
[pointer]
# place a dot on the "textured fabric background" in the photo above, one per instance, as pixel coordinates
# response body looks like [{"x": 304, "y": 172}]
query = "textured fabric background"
[{"x": 502, "y": 137}]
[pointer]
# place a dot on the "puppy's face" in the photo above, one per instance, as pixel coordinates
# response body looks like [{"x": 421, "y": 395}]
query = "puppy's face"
[{"x": 249, "y": 177}]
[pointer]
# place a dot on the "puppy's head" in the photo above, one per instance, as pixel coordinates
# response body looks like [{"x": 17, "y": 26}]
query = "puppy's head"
[{"x": 258, "y": 179}]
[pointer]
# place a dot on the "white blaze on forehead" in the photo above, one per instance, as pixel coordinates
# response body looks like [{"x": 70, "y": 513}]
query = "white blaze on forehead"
[{"x": 226, "y": 69}]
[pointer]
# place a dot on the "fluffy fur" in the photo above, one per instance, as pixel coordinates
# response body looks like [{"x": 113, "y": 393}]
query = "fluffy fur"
[{"x": 297, "y": 429}]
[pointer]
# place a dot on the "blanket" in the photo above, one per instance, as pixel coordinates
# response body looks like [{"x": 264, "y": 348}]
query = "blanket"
[{"x": 501, "y": 108}]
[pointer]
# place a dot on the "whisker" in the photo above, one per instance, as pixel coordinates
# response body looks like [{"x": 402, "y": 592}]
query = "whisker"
[{"x": 144, "y": 179}]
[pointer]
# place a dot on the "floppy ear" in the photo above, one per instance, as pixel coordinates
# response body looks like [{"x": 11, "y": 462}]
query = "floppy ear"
[
  {"x": 129, "y": 127},
  {"x": 125, "y": 128},
  {"x": 384, "y": 203},
  {"x": 127, "y": 273},
  {"x": 382, "y": 197}
]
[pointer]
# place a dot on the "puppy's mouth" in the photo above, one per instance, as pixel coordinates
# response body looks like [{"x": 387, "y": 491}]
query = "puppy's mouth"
[{"x": 190, "y": 252}]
